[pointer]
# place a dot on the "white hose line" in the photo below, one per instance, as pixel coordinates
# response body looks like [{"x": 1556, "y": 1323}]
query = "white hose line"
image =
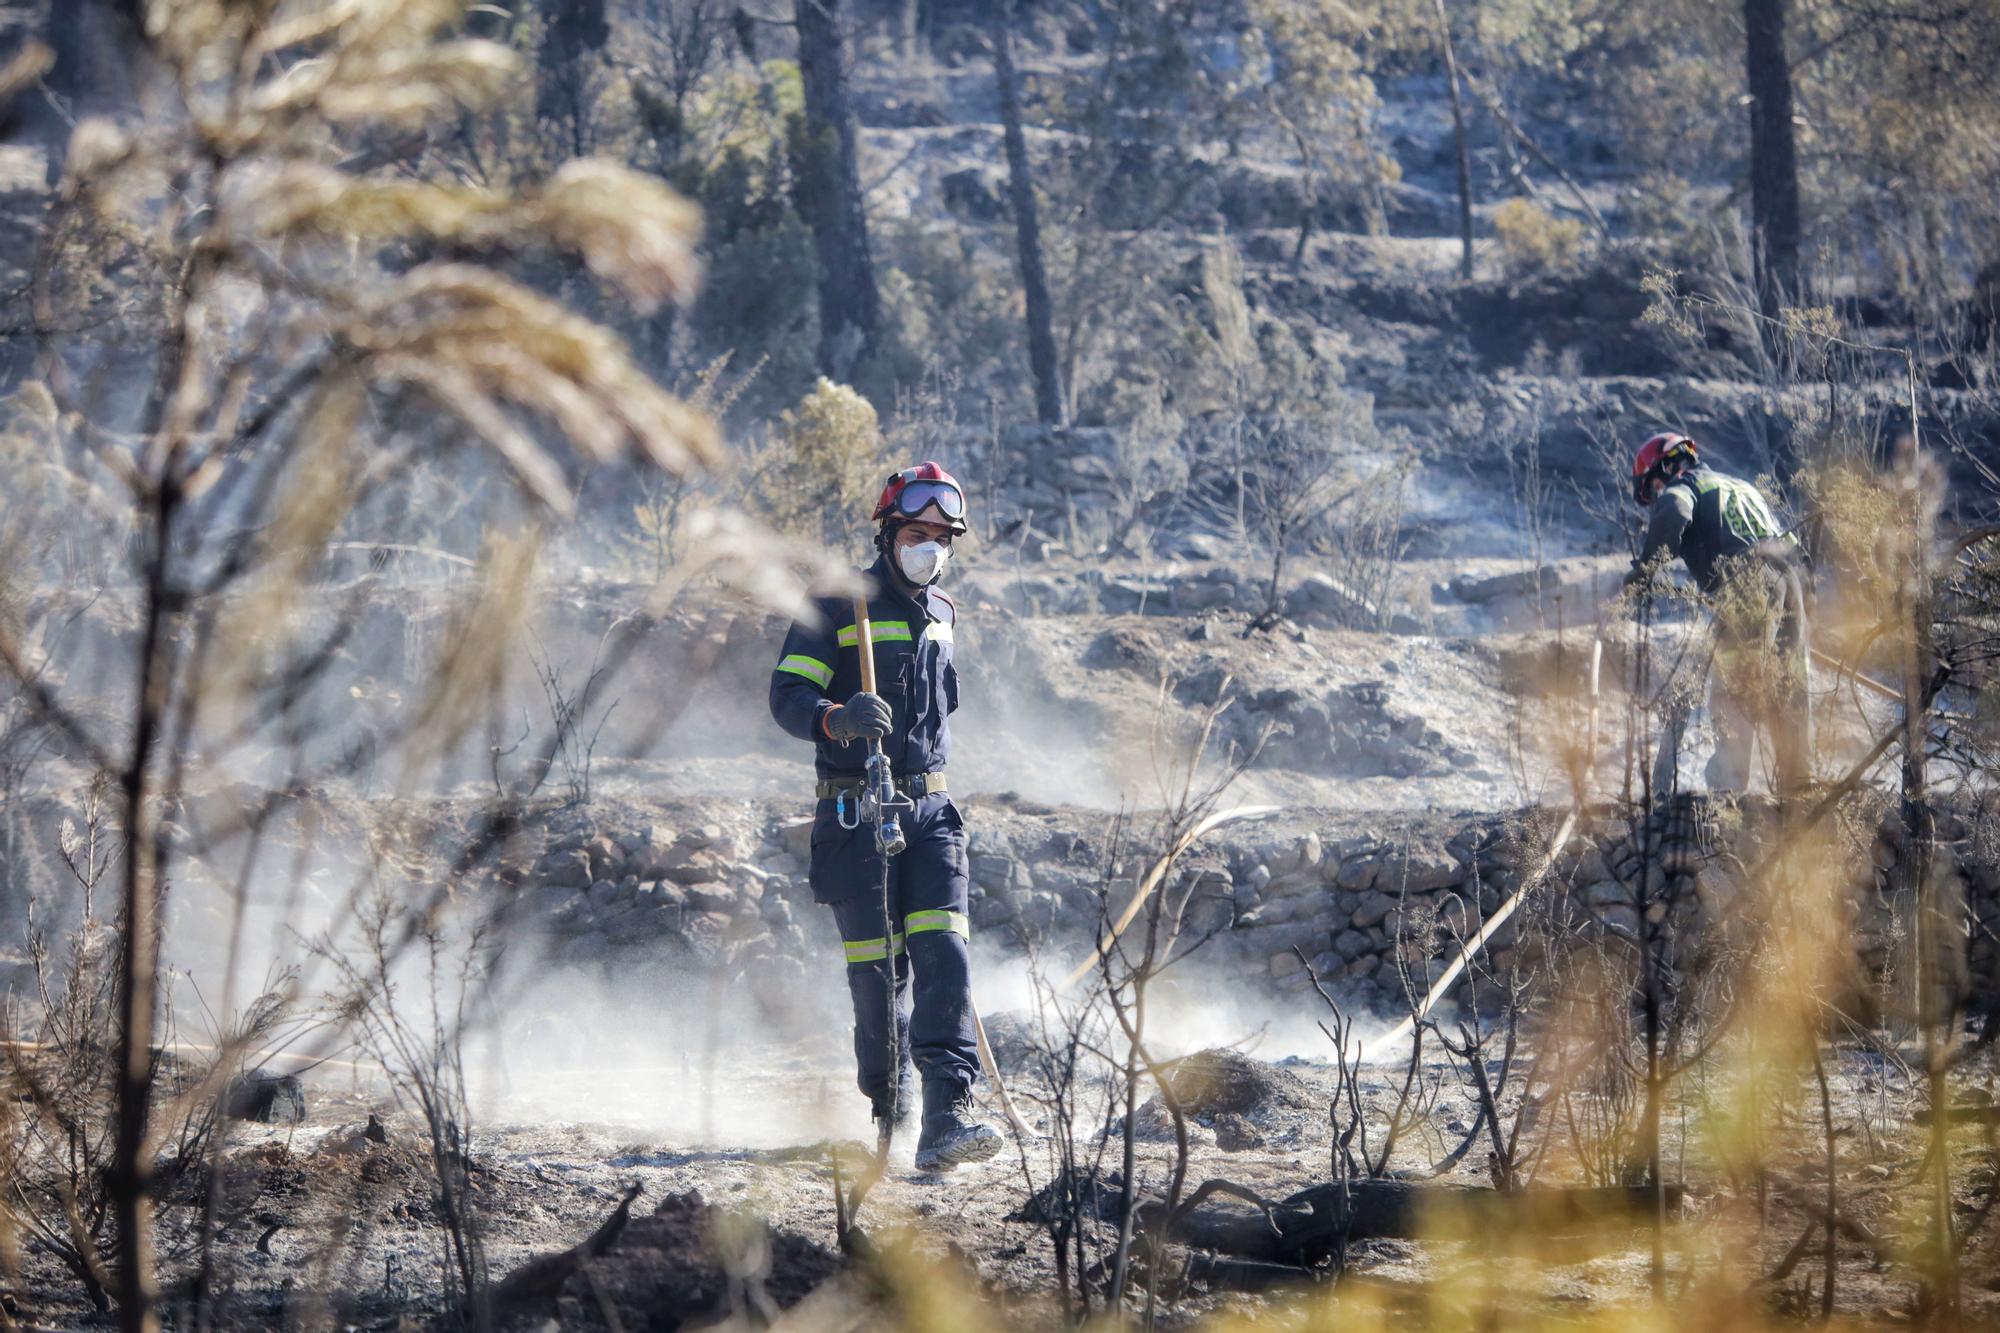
[
  {"x": 1590, "y": 732},
  {"x": 1021, "y": 1130},
  {"x": 992, "y": 1066},
  {"x": 1868, "y": 683},
  {"x": 1472, "y": 946},
  {"x": 1499, "y": 918},
  {"x": 1155, "y": 875}
]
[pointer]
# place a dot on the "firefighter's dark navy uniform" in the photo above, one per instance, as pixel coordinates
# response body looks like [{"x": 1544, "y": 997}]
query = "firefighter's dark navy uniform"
[{"x": 927, "y": 929}]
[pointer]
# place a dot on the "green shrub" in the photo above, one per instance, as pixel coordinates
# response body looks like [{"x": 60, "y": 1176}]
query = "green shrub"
[
  {"x": 819, "y": 475},
  {"x": 1534, "y": 242}
]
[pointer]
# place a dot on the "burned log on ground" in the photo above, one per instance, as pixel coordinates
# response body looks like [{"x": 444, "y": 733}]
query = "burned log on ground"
[
  {"x": 690, "y": 1264},
  {"x": 271, "y": 1099},
  {"x": 1308, "y": 1228},
  {"x": 534, "y": 1286},
  {"x": 1082, "y": 1191}
]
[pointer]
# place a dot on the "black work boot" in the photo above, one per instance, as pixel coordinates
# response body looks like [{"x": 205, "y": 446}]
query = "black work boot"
[{"x": 950, "y": 1134}]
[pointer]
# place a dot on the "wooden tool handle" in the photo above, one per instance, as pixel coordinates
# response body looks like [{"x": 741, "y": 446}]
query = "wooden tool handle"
[{"x": 864, "y": 639}]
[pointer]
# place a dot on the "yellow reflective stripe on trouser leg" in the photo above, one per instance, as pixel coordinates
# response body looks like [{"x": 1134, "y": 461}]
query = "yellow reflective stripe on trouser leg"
[
  {"x": 957, "y": 922},
  {"x": 814, "y": 670},
  {"x": 872, "y": 951}
]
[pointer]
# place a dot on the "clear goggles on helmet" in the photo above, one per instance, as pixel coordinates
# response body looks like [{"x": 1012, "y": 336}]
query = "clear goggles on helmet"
[{"x": 918, "y": 496}]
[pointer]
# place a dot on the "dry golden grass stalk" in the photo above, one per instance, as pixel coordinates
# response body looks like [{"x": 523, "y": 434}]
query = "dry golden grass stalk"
[
  {"x": 303, "y": 377},
  {"x": 25, "y": 69}
]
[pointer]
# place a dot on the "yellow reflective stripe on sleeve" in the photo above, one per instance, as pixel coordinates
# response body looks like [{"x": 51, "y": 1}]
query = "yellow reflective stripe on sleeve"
[
  {"x": 871, "y": 951},
  {"x": 884, "y": 631},
  {"x": 957, "y": 922},
  {"x": 938, "y": 631},
  {"x": 814, "y": 670}
]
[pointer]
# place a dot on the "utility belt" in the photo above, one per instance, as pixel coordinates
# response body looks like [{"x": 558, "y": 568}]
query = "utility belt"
[{"x": 916, "y": 786}]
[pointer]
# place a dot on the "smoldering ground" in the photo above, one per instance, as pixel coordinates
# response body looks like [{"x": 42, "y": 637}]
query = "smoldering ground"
[
  {"x": 727, "y": 1063},
  {"x": 661, "y": 1043}
]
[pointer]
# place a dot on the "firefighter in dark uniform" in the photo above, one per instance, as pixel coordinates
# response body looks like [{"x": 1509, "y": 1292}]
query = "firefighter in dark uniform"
[
  {"x": 816, "y": 695},
  {"x": 1751, "y": 572}
]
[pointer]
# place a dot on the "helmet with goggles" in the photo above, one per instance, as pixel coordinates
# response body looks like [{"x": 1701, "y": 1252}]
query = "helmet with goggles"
[
  {"x": 925, "y": 493},
  {"x": 1655, "y": 455}
]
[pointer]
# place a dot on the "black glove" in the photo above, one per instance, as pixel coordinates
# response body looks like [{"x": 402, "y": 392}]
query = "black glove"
[{"x": 862, "y": 716}]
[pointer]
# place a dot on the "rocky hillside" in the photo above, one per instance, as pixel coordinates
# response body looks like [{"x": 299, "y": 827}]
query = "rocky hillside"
[{"x": 1109, "y": 583}]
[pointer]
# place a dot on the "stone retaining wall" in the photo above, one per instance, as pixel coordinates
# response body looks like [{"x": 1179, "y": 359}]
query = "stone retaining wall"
[{"x": 727, "y": 885}]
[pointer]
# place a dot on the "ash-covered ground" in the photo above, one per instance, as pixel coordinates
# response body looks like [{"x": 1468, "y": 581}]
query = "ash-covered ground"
[{"x": 751, "y": 1130}]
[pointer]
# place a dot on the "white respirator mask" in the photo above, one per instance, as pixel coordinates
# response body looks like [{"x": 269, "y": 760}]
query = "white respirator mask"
[{"x": 922, "y": 563}]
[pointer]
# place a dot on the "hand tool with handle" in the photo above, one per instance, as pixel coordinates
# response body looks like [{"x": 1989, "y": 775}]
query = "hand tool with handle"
[{"x": 879, "y": 800}]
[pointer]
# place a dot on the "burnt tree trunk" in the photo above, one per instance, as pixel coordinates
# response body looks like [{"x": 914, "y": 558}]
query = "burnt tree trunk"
[
  {"x": 96, "y": 45},
  {"x": 132, "y": 1178},
  {"x": 574, "y": 31},
  {"x": 1774, "y": 165},
  {"x": 827, "y": 183},
  {"x": 1464, "y": 152},
  {"x": 1305, "y": 1229},
  {"x": 1027, "y": 224},
  {"x": 93, "y": 42}
]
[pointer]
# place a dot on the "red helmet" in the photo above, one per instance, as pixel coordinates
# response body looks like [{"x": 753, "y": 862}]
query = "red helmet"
[
  {"x": 914, "y": 490},
  {"x": 1655, "y": 454}
]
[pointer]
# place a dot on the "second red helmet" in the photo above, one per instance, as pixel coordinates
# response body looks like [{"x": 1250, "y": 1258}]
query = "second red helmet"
[{"x": 1656, "y": 453}]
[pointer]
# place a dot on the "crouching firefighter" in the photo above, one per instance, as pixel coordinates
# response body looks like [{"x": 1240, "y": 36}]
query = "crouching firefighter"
[
  {"x": 1751, "y": 573},
  {"x": 901, "y": 913}
]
